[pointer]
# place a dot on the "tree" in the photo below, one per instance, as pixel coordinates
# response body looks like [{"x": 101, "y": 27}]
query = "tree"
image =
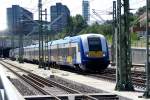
[
  {"x": 141, "y": 10},
  {"x": 105, "y": 29},
  {"x": 70, "y": 26},
  {"x": 75, "y": 25},
  {"x": 79, "y": 23}
]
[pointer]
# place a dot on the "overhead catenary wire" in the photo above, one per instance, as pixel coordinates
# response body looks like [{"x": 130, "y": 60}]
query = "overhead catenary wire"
[
  {"x": 99, "y": 16},
  {"x": 137, "y": 2},
  {"x": 34, "y": 29},
  {"x": 100, "y": 22}
]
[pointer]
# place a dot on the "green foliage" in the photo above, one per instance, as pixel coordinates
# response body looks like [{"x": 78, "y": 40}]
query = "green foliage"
[
  {"x": 137, "y": 41},
  {"x": 105, "y": 29},
  {"x": 70, "y": 26},
  {"x": 133, "y": 19},
  {"x": 75, "y": 25},
  {"x": 134, "y": 36},
  {"x": 141, "y": 10},
  {"x": 109, "y": 39}
]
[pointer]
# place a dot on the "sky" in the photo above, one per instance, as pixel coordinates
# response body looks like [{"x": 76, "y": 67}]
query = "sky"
[{"x": 75, "y": 7}]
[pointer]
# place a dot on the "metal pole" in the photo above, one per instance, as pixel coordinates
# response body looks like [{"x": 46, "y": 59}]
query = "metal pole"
[
  {"x": 12, "y": 45},
  {"x": 147, "y": 91},
  {"x": 117, "y": 44},
  {"x": 113, "y": 52},
  {"x": 46, "y": 41},
  {"x": 123, "y": 50},
  {"x": 40, "y": 35},
  {"x": 21, "y": 40},
  {"x": 127, "y": 47},
  {"x": 2, "y": 47},
  {"x": 13, "y": 29}
]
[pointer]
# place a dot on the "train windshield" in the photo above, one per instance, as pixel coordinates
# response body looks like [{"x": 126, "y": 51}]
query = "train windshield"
[{"x": 94, "y": 44}]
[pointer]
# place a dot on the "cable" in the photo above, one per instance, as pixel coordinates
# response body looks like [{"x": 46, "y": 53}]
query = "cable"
[
  {"x": 100, "y": 22},
  {"x": 95, "y": 13},
  {"x": 137, "y": 2},
  {"x": 30, "y": 9}
]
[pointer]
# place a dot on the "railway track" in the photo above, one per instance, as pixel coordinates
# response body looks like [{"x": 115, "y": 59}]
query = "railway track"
[
  {"x": 138, "y": 77},
  {"x": 39, "y": 83},
  {"x": 39, "y": 86}
]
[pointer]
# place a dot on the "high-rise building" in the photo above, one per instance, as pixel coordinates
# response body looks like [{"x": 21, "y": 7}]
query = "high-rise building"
[
  {"x": 85, "y": 10},
  {"x": 59, "y": 17},
  {"x": 17, "y": 16}
]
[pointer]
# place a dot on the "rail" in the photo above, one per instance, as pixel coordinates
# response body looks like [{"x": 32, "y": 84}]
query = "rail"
[
  {"x": 133, "y": 64},
  {"x": 136, "y": 76},
  {"x": 9, "y": 91},
  {"x": 50, "y": 82},
  {"x": 31, "y": 83},
  {"x": 103, "y": 96}
]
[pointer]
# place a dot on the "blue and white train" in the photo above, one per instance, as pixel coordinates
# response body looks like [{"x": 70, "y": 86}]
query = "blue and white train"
[{"x": 88, "y": 52}]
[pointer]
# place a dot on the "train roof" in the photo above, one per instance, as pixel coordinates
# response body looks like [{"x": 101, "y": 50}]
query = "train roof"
[
  {"x": 36, "y": 45},
  {"x": 68, "y": 39},
  {"x": 57, "y": 41},
  {"x": 92, "y": 34},
  {"x": 30, "y": 46},
  {"x": 75, "y": 38}
]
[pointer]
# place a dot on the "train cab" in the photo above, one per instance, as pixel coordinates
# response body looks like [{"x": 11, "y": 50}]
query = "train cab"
[{"x": 95, "y": 52}]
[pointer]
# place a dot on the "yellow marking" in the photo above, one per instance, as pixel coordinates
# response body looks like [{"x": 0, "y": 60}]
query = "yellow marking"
[
  {"x": 95, "y": 54},
  {"x": 69, "y": 59}
]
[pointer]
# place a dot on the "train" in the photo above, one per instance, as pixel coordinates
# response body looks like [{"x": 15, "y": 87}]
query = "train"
[{"x": 86, "y": 52}]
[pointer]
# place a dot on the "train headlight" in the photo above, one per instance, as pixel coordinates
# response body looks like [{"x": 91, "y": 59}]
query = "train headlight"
[
  {"x": 87, "y": 55},
  {"x": 104, "y": 54}
]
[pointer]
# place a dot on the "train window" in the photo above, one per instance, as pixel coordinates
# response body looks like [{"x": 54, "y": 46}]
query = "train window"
[{"x": 94, "y": 44}]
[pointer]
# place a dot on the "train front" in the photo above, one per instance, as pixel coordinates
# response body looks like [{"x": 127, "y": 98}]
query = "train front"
[{"x": 95, "y": 54}]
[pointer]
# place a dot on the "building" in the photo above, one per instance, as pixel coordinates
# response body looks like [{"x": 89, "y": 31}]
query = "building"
[
  {"x": 140, "y": 25},
  {"x": 142, "y": 19},
  {"x": 59, "y": 17},
  {"x": 18, "y": 17},
  {"x": 85, "y": 10}
]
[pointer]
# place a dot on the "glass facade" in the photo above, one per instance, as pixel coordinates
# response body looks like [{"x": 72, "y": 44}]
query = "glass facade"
[
  {"x": 16, "y": 16},
  {"x": 57, "y": 11},
  {"x": 85, "y": 10}
]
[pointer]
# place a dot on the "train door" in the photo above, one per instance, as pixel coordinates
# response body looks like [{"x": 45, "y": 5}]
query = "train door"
[{"x": 78, "y": 53}]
